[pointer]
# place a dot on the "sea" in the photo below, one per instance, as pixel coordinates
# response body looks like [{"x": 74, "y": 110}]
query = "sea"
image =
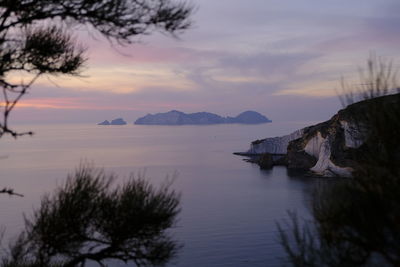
[{"x": 229, "y": 208}]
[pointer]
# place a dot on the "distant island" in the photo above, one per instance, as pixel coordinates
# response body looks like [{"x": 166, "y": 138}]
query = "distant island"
[
  {"x": 118, "y": 121},
  {"x": 175, "y": 117}
]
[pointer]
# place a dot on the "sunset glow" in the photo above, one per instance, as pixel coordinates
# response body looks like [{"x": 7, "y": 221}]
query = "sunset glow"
[{"x": 252, "y": 56}]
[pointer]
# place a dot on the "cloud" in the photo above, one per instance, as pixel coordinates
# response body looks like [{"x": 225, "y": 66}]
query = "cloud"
[
  {"x": 220, "y": 76},
  {"x": 266, "y": 64},
  {"x": 269, "y": 55},
  {"x": 104, "y": 53},
  {"x": 239, "y": 74}
]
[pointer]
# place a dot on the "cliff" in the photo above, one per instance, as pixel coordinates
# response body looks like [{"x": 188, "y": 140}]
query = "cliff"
[
  {"x": 175, "y": 117},
  {"x": 274, "y": 145},
  {"x": 326, "y": 148},
  {"x": 330, "y": 148}
]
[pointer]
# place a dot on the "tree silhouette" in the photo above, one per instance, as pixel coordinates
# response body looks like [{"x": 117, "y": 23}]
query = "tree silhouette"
[
  {"x": 35, "y": 37},
  {"x": 84, "y": 220},
  {"x": 90, "y": 219},
  {"x": 356, "y": 222}
]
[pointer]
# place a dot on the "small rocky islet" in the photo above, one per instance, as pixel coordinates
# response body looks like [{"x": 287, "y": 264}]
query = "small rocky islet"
[{"x": 118, "y": 121}]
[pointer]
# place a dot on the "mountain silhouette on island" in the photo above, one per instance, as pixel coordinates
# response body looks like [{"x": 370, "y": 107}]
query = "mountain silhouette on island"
[{"x": 175, "y": 117}]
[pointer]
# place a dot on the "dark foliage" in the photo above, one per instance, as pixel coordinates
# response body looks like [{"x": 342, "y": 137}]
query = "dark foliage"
[
  {"x": 34, "y": 39},
  {"x": 356, "y": 222},
  {"x": 86, "y": 220}
]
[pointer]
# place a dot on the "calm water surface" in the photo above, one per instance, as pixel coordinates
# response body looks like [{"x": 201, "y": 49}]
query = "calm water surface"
[{"x": 229, "y": 207}]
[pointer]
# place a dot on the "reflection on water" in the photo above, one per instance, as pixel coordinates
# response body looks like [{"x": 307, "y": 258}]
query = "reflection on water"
[{"x": 229, "y": 207}]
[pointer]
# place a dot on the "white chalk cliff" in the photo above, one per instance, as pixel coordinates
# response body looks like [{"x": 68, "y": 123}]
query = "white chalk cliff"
[
  {"x": 320, "y": 148},
  {"x": 331, "y": 148},
  {"x": 274, "y": 145}
]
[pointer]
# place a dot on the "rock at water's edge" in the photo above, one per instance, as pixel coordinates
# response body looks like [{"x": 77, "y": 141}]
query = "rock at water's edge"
[{"x": 118, "y": 121}]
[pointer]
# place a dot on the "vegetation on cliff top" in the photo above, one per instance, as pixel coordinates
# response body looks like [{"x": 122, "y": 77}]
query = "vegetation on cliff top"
[{"x": 355, "y": 222}]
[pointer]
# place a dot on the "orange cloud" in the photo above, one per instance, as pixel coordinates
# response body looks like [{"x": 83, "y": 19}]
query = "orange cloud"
[
  {"x": 311, "y": 89},
  {"x": 121, "y": 79},
  {"x": 63, "y": 103},
  {"x": 86, "y": 104},
  {"x": 49, "y": 103}
]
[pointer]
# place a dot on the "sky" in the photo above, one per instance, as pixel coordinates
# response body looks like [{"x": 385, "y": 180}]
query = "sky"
[{"x": 282, "y": 58}]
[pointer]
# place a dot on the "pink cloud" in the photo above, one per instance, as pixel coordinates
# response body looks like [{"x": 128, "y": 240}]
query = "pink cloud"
[
  {"x": 67, "y": 103},
  {"x": 104, "y": 53}
]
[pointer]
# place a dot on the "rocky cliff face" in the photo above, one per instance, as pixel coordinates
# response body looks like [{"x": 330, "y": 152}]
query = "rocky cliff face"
[
  {"x": 324, "y": 149},
  {"x": 330, "y": 148},
  {"x": 274, "y": 145}
]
